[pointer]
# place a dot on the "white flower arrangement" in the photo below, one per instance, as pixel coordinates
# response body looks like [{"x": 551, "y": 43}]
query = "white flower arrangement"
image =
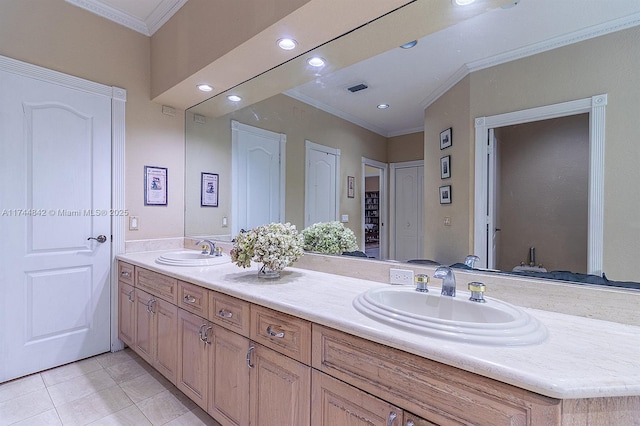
[
  {"x": 330, "y": 238},
  {"x": 276, "y": 245}
]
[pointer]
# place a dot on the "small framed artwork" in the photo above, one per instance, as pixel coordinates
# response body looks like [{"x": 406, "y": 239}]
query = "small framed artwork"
[
  {"x": 445, "y": 194},
  {"x": 155, "y": 186},
  {"x": 445, "y": 167},
  {"x": 209, "y": 189},
  {"x": 446, "y": 138},
  {"x": 351, "y": 184}
]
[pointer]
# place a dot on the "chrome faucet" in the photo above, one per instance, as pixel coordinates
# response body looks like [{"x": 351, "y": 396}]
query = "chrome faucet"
[
  {"x": 471, "y": 260},
  {"x": 209, "y": 243},
  {"x": 448, "y": 280}
]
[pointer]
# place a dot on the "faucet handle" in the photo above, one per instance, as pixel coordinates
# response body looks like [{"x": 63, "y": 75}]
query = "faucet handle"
[
  {"x": 477, "y": 292},
  {"x": 421, "y": 283}
]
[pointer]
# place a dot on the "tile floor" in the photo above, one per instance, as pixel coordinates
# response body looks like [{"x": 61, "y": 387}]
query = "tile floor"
[{"x": 109, "y": 389}]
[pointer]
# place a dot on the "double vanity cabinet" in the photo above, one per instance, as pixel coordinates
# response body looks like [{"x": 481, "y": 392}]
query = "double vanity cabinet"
[{"x": 247, "y": 364}]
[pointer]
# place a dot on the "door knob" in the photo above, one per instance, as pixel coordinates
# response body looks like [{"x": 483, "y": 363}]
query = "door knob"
[{"x": 100, "y": 238}]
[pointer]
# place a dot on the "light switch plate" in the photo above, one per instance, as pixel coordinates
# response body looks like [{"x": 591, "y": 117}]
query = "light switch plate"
[{"x": 134, "y": 223}]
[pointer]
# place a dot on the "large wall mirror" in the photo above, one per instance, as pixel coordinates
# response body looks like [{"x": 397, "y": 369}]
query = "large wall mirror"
[{"x": 521, "y": 56}]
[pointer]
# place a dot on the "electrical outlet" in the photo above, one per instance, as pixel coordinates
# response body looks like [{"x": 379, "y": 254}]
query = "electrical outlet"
[
  {"x": 400, "y": 276},
  {"x": 134, "y": 223}
]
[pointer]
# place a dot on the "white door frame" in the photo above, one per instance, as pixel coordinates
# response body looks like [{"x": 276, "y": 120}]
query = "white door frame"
[
  {"x": 382, "y": 204},
  {"x": 118, "y": 98},
  {"x": 596, "y": 107},
  {"x": 308, "y": 146},
  {"x": 392, "y": 198}
]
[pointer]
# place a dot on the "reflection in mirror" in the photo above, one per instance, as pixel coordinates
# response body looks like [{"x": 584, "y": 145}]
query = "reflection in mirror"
[{"x": 446, "y": 81}]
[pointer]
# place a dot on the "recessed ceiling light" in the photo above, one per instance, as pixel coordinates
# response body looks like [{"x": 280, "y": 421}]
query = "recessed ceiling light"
[
  {"x": 410, "y": 44},
  {"x": 316, "y": 61},
  {"x": 463, "y": 2},
  {"x": 234, "y": 98},
  {"x": 287, "y": 43},
  {"x": 205, "y": 87},
  {"x": 383, "y": 106}
]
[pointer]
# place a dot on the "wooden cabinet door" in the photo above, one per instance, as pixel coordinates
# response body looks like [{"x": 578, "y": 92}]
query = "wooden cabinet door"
[
  {"x": 144, "y": 326},
  {"x": 165, "y": 317},
  {"x": 193, "y": 361},
  {"x": 229, "y": 378},
  {"x": 126, "y": 313},
  {"x": 280, "y": 389},
  {"x": 337, "y": 403}
]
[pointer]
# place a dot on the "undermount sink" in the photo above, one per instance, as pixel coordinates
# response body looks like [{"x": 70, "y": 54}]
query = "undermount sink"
[
  {"x": 452, "y": 318},
  {"x": 191, "y": 258}
]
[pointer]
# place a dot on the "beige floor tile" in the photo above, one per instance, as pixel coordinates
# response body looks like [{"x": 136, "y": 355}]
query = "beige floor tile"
[
  {"x": 145, "y": 386},
  {"x": 130, "y": 416},
  {"x": 69, "y": 371},
  {"x": 165, "y": 407},
  {"x": 195, "y": 417},
  {"x": 48, "y": 418},
  {"x": 19, "y": 387},
  {"x": 128, "y": 369},
  {"x": 80, "y": 386},
  {"x": 94, "y": 407},
  {"x": 110, "y": 359},
  {"x": 24, "y": 407}
]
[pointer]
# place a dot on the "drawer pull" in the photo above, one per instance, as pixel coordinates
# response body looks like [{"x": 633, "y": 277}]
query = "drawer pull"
[
  {"x": 189, "y": 299},
  {"x": 125, "y": 274},
  {"x": 274, "y": 334},
  {"x": 130, "y": 296},
  {"x": 251, "y": 348},
  {"x": 225, "y": 314},
  {"x": 410, "y": 423},
  {"x": 392, "y": 417}
]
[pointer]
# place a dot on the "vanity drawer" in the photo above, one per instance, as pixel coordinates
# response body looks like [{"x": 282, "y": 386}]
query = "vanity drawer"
[
  {"x": 159, "y": 285},
  {"x": 125, "y": 272},
  {"x": 229, "y": 312},
  {"x": 193, "y": 298},
  {"x": 284, "y": 333},
  {"x": 437, "y": 392}
]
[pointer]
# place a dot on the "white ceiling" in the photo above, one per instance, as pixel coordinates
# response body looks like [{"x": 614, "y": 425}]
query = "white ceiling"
[{"x": 434, "y": 65}]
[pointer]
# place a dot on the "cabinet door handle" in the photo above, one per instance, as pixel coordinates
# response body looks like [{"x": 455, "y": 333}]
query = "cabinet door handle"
[
  {"x": 125, "y": 274},
  {"x": 410, "y": 423},
  {"x": 392, "y": 417},
  {"x": 189, "y": 299},
  {"x": 150, "y": 306},
  {"x": 251, "y": 348},
  {"x": 130, "y": 296},
  {"x": 274, "y": 334},
  {"x": 200, "y": 331},
  {"x": 206, "y": 335},
  {"x": 225, "y": 314}
]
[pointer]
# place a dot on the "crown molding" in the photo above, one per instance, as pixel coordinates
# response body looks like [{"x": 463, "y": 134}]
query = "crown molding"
[{"x": 161, "y": 14}]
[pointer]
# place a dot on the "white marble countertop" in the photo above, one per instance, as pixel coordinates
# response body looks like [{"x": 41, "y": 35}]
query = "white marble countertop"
[{"x": 581, "y": 358}]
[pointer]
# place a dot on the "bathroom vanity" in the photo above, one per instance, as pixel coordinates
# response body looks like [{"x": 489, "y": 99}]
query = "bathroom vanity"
[{"x": 294, "y": 351}]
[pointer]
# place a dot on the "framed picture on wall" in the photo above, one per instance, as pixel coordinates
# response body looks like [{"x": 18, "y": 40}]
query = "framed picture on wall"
[
  {"x": 209, "y": 189},
  {"x": 155, "y": 186},
  {"x": 445, "y": 194},
  {"x": 351, "y": 186},
  {"x": 446, "y": 138},
  {"x": 445, "y": 167}
]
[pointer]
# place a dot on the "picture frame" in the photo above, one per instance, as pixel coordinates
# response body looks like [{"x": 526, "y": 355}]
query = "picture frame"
[
  {"x": 155, "y": 186},
  {"x": 446, "y": 138},
  {"x": 445, "y": 194},
  {"x": 351, "y": 186},
  {"x": 445, "y": 167},
  {"x": 209, "y": 186}
]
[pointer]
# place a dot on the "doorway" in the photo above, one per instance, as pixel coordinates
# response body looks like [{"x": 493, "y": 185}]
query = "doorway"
[
  {"x": 485, "y": 175},
  {"x": 406, "y": 210},
  {"x": 374, "y": 208},
  {"x": 322, "y": 171}
]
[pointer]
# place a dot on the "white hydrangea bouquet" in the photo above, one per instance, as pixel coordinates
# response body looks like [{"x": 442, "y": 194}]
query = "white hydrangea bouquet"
[
  {"x": 329, "y": 237},
  {"x": 275, "y": 245}
]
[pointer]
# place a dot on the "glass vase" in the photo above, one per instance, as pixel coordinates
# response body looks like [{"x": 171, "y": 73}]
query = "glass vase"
[{"x": 268, "y": 273}]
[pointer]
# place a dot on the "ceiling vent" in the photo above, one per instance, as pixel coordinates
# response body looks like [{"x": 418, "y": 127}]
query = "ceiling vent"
[{"x": 357, "y": 88}]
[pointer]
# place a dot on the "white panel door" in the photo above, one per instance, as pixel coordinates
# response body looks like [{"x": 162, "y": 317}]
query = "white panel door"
[
  {"x": 55, "y": 172},
  {"x": 408, "y": 212},
  {"x": 258, "y": 177},
  {"x": 320, "y": 193}
]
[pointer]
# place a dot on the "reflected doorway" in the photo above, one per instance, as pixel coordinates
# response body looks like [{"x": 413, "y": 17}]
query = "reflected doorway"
[{"x": 374, "y": 208}]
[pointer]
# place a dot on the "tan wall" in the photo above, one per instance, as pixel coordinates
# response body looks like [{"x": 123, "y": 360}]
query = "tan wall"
[
  {"x": 448, "y": 244},
  {"x": 299, "y": 122},
  {"x": 406, "y": 148},
  {"x": 543, "y": 193},
  {"x": 56, "y": 35},
  {"x": 606, "y": 64}
]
